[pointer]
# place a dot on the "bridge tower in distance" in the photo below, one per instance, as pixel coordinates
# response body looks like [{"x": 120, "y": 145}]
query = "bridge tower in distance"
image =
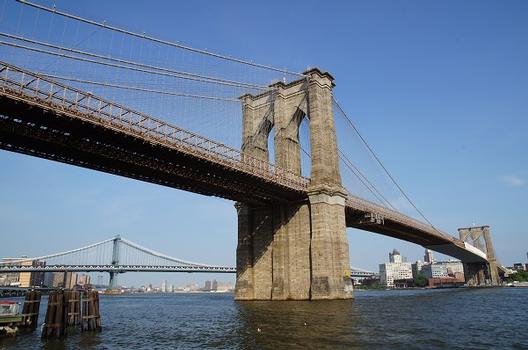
[
  {"x": 476, "y": 274},
  {"x": 115, "y": 261},
  {"x": 294, "y": 250}
]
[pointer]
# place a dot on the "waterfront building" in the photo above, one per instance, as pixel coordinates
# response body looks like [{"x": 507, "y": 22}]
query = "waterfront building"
[
  {"x": 191, "y": 287},
  {"x": 214, "y": 285},
  {"x": 417, "y": 268},
  {"x": 439, "y": 269},
  {"x": 457, "y": 279},
  {"x": 518, "y": 267},
  {"x": 22, "y": 279},
  {"x": 54, "y": 279},
  {"x": 164, "y": 286},
  {"x": 395, "y": 269},
  {"x": 225, "y": 286}
]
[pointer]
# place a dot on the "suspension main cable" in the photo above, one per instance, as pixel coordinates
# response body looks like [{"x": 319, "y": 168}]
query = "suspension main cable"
[
  {"x": 83, "y": 59},
  {"x": 157, "y": 40},
  {"x": 380, "y": 163},
  {"x": 136, "y": 88},
  {"x": 137, "y": 64},
  {"x": 49, "y": 256}
]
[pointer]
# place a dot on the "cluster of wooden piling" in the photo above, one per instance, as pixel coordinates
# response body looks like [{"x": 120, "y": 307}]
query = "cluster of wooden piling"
[
  {"x": 55, "y": 321},
  {"x": 91, "y": 320},
  {"x": 30, "y": 311},
  {"x": 64, "y": 311},
  {"x": 73, "y": 298}
]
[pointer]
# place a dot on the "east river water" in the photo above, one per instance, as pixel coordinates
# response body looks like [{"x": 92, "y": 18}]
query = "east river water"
[{"x": 407, "y": 319}]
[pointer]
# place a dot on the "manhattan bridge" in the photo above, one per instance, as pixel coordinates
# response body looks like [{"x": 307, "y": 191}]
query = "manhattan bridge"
[{"x": 275, "y": 141}]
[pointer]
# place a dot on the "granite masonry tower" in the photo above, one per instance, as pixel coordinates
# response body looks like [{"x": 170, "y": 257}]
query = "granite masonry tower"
[
  {"x": 484, "y": 273},
  {"x": 294, "y": 250}
]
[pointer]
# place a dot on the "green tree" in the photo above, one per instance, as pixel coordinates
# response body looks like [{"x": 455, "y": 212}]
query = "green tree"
[
  {"x": 520, "y": 276},
  {"x": 420, "y": 280}
]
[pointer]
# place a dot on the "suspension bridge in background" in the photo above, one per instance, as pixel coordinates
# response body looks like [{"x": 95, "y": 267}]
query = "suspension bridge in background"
[
  {"x": 273, "y": 140},
  {"x": 118, "y": 255}
]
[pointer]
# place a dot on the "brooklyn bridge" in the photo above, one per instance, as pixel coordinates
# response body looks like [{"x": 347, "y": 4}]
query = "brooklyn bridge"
[{"x": 169, "y": 114}]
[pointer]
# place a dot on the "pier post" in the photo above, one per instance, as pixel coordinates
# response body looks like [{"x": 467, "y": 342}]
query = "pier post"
[{"x": 30, "y": 311}]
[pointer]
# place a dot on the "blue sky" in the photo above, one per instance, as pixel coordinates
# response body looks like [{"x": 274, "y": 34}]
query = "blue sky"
[{"x": 440, "y": 89}]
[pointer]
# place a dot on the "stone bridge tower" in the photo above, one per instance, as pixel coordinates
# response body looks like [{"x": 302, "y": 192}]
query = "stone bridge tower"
[
  {"x": 479, "y": 274},
  {"x": 294, "y": 250}
]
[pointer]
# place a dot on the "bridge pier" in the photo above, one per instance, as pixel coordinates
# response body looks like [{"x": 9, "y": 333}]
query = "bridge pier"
[
  {"x": 294, "y": 250},
  {"x": 480, "y": 273},
  {"x": 476, "y": 274}
]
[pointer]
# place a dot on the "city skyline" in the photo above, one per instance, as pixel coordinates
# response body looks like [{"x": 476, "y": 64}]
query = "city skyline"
[{"x": 448, "y": 149}]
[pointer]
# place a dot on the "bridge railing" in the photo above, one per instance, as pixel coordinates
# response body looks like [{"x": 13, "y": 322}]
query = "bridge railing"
[{"x": 84, "y": 105}]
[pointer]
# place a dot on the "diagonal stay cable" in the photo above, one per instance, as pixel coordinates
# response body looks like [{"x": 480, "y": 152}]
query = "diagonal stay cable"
[
  {"x": 360, "y": 175},
  {"x": 351, "y": 167},
  {"x": 378, "y": 160}
]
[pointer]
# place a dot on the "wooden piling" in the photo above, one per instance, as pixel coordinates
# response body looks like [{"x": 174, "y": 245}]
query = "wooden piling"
[
  {"x": 56, "y": 315},
  {"x": 73, "y": 303},
  {"x": 30, "y": 311},
  {"x": 91, "y": 320}
]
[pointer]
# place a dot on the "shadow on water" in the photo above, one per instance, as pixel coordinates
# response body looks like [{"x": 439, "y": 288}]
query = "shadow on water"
[{"x": 297, "y": 324}]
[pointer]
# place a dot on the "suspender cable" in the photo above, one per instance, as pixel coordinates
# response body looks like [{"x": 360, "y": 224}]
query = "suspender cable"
[
  {"x": 160, "y": 41},
  {"x": 381, "y": 164},
  {"x": 137, "y": 64},
  {"x": 122, "y": 66},
  {"x": 136, "y": 88}
]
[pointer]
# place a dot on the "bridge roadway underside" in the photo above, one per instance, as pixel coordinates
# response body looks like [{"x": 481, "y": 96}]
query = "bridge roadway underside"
[
  {"x": 51, "y": 134},
  {"x": 439, "y": 243}
]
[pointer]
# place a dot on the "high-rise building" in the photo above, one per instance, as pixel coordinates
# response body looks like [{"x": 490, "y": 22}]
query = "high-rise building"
[
  {"x": 207, "y": 286},
  {"x": 428, "y": 256},
  {"x": 70, "y": 280},
  {"x": 214, "y": 285},
  {"x": 54, "y": 279},
  {"x": 164, "y": 286},
  {"x": 83, "y": 279}
]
